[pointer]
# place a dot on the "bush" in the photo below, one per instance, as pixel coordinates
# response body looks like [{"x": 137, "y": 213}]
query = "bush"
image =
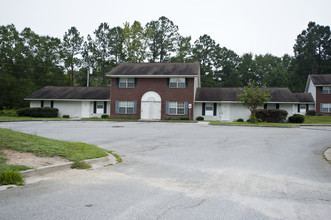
[
  {"x": 11, "y": 177},
  {"x": 104, "y": 116},
  {"x": 39, "y": 112},
  {"x": 80, "y": 165},
  {"x": 271, "y": 115},
  {"x": 240, "y": 120},
  {"x": 311, "y": 112},
  {"x": 8, "y": 112},
  {"x": 199, "y": 118},
  {"x": 66, "y": 116},
  {"x": 296, "y": 118},
  {"x": 184, "y": 119}
]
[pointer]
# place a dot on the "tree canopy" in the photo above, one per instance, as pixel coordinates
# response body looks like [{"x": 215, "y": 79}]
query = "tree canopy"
[{"x": 29, "y": 61}]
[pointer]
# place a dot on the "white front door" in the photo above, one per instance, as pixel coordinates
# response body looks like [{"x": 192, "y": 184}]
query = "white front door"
[
  {"x": 151, "y": 106},
  {"x": 85, "y": 109}
]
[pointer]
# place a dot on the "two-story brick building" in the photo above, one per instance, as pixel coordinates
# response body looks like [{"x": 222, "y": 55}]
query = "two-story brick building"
[
  {"x": 153, "y": 91},
  {"x": 320, "y": 88}
]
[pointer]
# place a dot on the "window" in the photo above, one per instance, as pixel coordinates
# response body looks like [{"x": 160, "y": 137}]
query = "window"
[
  {"x": 126, "y": 107},
  {"x": 126, "y": 83},
  {"x": 326, "y": 90},
  {"x": 99, "y": 107},
  {"x": 176, "y": 108},
  {"x": 177, "y": 83},
  {"x": 209, "y": 109},
  {"x": 271, "y": 106},
  {"x": 326, "y": 107}
]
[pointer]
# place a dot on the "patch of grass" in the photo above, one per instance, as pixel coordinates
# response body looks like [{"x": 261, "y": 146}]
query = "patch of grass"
[
  {"x": 17, "y": 118},
  {"x": 118, "y": 158},
  {"x": 317, "y": 119},
  {"x": 110, "y": 119},
  {"x": 80, "y": 165},
  {"x": 8, "y": 167},
  {"x": 11, "y": 177},
  {"x": 250, "y": 124},
  {"x": 40, "y": 146}
]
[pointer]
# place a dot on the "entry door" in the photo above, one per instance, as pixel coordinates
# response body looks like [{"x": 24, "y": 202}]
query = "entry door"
[
  {"x": 85, "y": 109},
  {"x": 151, "y": 110}
]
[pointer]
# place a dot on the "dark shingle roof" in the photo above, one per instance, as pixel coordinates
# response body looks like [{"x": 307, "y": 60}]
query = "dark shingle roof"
[
  {"x": 230, "y": 94},
  {"x": 304, "y": 97},
  {"x": 155, "y": 69},
  {"x": 66, "y": 92},
  {"x": 321, "y": 79}
]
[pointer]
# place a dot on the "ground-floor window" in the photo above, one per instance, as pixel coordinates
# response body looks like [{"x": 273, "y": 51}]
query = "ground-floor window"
[
  {"x": 209, "y": 109},
  {"x": 176, "y": 108},
  {"x": 271, "y": 106},
  {"x": 326, "y": 107},
  {"x": 126, "y": 107}
]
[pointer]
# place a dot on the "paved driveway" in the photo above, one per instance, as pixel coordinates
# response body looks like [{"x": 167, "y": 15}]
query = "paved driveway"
[{"x": 181, "y": 171}]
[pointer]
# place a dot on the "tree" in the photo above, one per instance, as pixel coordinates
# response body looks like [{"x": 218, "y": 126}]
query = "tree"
[
  {"x": 71, "y": 49},
  {"x": 312, "y": 53},
  {"x": 247, "y": 69},
  {"x": 252, "y": 96},
  {"x": 164, "y": 39},
  {"x": 184, "y": 51}
]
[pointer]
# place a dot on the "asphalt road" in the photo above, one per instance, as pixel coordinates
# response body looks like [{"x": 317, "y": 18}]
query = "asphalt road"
[{"x": 181, "y": 171}]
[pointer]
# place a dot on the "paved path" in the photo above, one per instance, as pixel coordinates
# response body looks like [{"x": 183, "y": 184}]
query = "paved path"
[{"x": 181, "y": 171}]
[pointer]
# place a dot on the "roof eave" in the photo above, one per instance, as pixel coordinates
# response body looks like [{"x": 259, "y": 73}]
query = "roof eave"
[{"x": 151, "y": 76}]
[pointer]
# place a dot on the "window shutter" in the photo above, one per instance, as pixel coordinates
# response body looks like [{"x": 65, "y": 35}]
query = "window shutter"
[
  {"x": 186, "y": 82},
  {"x": 185, "y": 108},
  {"x": 105, "y": 107},
  {"x": 167, "y": 108},
  {"x": 168, "y": 81},
  {"x": 95, "y": 107},
  {"x": 215, "y": 109},
  {"x": 203, "y": 109},
  {"x": 118, "y": 82},
  {"x": 116, "y": 107},
  {"x": 135, "y": 82},
  {"x": 265, "y": 106},
  {"x": 321, "y": 89},
  {"x": 321, "y": 107},
  {"x": 52, "y": 104},
  {"x": 307, "y": 107},
  {"x": 277, "y": 106},
  {"x": 41, "y": 103},
  {"x": 298, "y": 107},
  {"x": 134, "y": 107}
]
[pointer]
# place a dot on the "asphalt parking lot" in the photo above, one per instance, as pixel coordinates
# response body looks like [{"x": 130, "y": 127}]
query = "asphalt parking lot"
[{"x": 181, "y": 171}]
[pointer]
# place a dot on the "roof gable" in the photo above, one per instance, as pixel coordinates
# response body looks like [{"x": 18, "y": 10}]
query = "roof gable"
[
  {"x": 321, "y": 79},
  {"x": 68, "y": 92},
  {"x": 155, "y": 69}
]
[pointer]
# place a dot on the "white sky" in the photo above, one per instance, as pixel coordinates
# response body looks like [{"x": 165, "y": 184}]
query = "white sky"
[{"x": 257, "y": 26}]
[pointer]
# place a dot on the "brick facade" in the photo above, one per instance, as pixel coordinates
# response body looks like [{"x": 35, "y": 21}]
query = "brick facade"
[
  {"x": 158, "y": 85},
  {"x": 321, "y": 98}
]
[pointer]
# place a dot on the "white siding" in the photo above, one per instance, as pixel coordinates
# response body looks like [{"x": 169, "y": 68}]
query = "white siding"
[
  {"x": 71, "y": 108},
  {"x": 312, "y": 90},
  {"x": 35, "y": 104}
]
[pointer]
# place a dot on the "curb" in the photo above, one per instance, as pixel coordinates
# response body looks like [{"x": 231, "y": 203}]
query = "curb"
[
  {"x": 65, "y": 166},
  {"x": 327, "y": 154},
  {"x": 245, "y": 125}
]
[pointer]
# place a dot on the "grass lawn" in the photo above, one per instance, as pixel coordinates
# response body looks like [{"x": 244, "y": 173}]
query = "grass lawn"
[
  {"x": 40, "y": 146},
  {"x": 250, "y": 124},
  {"x": 317, "y": 119},
  {"x": 17, "y": 118}
]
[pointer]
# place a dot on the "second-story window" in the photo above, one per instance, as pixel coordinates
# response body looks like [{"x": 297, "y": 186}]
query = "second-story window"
[
  {"x": 126, "y": 83},
  {"x": 326, "y": 90},
  {"x": 177, "y": 83}
]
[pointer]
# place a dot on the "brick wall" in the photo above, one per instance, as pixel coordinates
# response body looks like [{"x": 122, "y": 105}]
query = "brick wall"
[
  {"x": 158, "y": 85},
  {"x": 321, "y": 98}
]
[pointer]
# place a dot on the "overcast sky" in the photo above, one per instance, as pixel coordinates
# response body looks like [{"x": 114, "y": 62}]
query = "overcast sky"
[{"x": 257, "y": 26}]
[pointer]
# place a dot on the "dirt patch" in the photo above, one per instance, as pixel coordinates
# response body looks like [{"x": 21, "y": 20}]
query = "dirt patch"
[{"x": 30, "y": 160}]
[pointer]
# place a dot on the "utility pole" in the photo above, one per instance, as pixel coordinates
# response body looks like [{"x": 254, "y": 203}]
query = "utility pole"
[{"x": 88, "y": 73}]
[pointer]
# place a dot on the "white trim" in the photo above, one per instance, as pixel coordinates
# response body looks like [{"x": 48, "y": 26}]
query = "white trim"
[{"x": 152, "y": 76}]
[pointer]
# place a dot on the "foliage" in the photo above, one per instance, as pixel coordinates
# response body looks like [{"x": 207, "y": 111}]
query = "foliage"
[
  {"x": 317, "y": 119},
  {"x": 199, "y": 118},
  {"x": 105, "y": 116},
  {"x": 39, "y": 112},
  {"x": 41, "y": 146},
  {"x": 271, "y": 115},
  {"x": 66, "y": 116},
  {"x": 11, "y": 177},
  {"x": 80, "y": 165},
  {"x": 239, "y": 120},
  {"x": 296, "y": 118},
  {"x": 252, "y": 96},
  {"x": 8, "y": 112},
  {"x": 311, "y": 112}
]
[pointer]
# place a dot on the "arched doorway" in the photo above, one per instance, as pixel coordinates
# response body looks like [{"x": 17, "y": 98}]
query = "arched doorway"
[{"x": 150, "y": 106}]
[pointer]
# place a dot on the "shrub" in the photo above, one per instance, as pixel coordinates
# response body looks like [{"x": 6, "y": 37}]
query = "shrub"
[
  {"x": 199, "y": 118},
  {"x": 271, "y": 115},
  {"x": 11, "y": 177},
  {"x": 184, "y": 119},
  {"x": 39, "y": 112},
  {"x": 105, "y": 116},
  {"x": 311, "y": 112},
  {"x": 240, "y": 120},
  {"x": 8, "y": 112},
  {"x": 66, "y": 116},
  {"x": 296, "y": 118},
  {"x": 80, "y": 165}
]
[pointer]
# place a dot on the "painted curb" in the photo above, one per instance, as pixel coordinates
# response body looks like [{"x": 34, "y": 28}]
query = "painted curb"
[{"x": 52, "y": 168}]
